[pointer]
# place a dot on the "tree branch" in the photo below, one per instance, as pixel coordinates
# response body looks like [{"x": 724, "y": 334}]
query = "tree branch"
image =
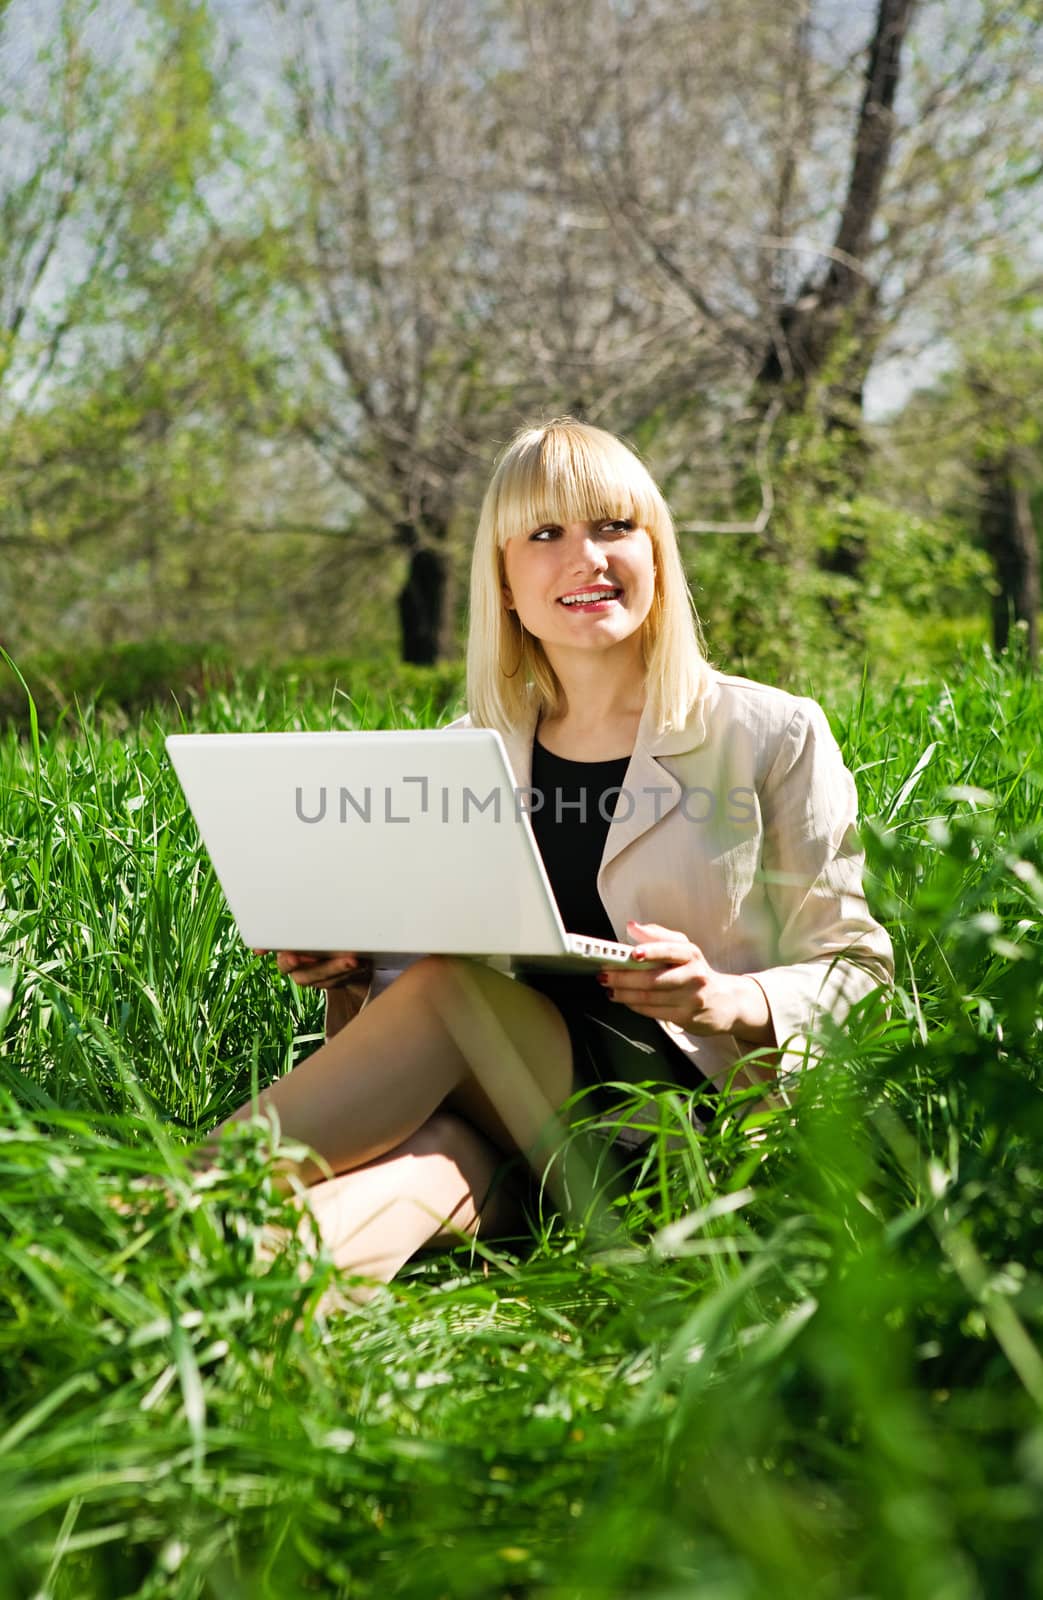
[{"x": 760, "y": 523}]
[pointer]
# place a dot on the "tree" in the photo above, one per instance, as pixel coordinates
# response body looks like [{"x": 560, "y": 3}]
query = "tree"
[
  {"x": 808, "y": 192},
  {"x": 996, "y": 396},
  {"x": 973, "y": 440},
  {"x": 1012, "y": 541},
  {"x": 391, "y": 388},
  {"x": 697, "y": 225},
  {"x": 444, "y": 296},
  {"x": 801, "y": 187},
  {"x": 125, "y": 373},
  {"x": 806, "y": 326}
]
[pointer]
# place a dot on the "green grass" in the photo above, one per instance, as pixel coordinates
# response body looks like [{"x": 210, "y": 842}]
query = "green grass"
[{"x": 800, "y": 1358}]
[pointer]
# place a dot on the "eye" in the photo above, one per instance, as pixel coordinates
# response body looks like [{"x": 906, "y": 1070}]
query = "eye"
[
  {"x": 620, "y": 525},
  {"x": 542, "y": 535}
]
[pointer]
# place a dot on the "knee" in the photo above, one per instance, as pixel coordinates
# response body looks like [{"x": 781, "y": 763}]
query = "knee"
[
  {"x": 444, "y": 1134},
  {"x": 437, "y": 974},
  {"x": 489, "y": 1187},
  {"x": 430, "y": 968}
]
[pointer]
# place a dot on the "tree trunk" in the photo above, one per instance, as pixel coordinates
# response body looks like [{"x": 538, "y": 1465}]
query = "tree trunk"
[
  {"x": 1013, "y": 546},
  {"x": 424, "y": 597},
  {"x": 808, "y": 326},
  {"x": 827, "y": 332}
]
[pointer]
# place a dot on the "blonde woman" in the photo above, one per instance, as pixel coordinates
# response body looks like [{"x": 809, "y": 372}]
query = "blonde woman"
[{"x": 706, "y": 819}]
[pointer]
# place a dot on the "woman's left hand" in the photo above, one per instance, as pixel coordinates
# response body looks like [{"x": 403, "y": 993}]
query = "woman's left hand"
[{"x": 688, "y": 991}]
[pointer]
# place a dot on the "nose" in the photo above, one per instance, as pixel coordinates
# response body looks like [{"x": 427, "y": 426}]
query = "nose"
[{"x": 588, "y": 553}]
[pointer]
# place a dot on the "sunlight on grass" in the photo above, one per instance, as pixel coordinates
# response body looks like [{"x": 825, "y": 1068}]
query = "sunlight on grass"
[{"x": 798, "y": 1354}]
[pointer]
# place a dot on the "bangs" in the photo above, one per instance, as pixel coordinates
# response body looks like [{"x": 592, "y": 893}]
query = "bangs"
[{"x": 571, "y": 472}]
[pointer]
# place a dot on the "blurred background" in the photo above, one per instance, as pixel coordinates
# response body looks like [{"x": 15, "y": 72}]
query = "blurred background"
[{"x": 278, "y": 278}]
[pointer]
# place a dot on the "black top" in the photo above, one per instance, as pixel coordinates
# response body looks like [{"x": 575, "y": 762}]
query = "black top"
[
  {"x": 571, "y": 826},
  {"x": 579, "y": 798}
]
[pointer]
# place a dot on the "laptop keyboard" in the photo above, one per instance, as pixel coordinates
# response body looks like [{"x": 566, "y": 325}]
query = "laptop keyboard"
[{"x": 581, "y": 946}]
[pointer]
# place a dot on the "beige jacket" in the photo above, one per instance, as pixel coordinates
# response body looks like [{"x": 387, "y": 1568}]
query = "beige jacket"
[{"x": 739, "y": 831}]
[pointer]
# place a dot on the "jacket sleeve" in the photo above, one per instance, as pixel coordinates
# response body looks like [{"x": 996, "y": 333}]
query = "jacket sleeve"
[{"x": 832, "y": 952}]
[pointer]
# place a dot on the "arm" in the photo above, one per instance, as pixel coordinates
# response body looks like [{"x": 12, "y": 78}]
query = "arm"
[
  {"x": 832, "y": 952},
  {"x": 343, "y": 1004},
  {"x": 344, "y": 1000},
  {"x": 753, "y": 1018},
  {"x": 346, "y": 978}
]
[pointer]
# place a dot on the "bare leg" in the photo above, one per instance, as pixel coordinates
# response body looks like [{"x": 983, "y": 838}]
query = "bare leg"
[
  {"x": 431, "y": 1189},
  {"x": 447, "y": 1032}
]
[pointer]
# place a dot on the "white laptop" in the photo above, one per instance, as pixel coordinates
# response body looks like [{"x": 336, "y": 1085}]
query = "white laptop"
[{"x": 386, "y": 843}]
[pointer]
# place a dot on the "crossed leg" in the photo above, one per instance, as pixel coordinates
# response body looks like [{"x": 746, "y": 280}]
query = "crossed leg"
[
  {"x": 432, "y": 1190},
  {"x": 413, "y": 1106}
]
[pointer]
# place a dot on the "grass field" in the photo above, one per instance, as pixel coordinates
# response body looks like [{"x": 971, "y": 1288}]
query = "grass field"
[{"x": 801, "y": 1358}]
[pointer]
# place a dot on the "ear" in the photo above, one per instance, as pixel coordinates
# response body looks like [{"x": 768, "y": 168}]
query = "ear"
[{"x": 508, "y": 598}]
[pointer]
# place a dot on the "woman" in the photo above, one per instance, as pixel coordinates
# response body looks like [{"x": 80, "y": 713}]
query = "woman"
[{"x": 706, "y": 819}]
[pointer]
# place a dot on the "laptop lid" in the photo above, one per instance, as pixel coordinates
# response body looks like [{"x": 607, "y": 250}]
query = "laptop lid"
[{"x": 390, "y": 841}]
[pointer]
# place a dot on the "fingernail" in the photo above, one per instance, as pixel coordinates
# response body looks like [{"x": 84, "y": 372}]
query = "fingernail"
[{"x": 603, "y": 977}]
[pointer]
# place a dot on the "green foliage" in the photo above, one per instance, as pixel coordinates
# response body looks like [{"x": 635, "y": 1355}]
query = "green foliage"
[
  {"x": 418, "y": 693},
  {"x": 130, "y": 677},
  {"x": 799, "y": 1356},
  {"x": 846, "y": 568},
  {"x": 229, "y": 319},
  {"x": 174, "y": 679},
  {"x": 136, "y": 383}
]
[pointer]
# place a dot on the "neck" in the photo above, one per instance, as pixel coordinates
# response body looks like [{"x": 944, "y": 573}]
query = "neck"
[{"x": 604, "y": 688}]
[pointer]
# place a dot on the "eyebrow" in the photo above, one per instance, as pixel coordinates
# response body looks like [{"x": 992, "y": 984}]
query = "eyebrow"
[{"x": 550, "y": 522}]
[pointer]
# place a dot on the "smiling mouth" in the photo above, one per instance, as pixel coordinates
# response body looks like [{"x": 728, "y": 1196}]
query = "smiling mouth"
[{"x": 588, "y": 600}]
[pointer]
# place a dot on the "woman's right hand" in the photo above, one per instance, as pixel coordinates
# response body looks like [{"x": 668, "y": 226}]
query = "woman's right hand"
[{"x": 322, "y": 969}]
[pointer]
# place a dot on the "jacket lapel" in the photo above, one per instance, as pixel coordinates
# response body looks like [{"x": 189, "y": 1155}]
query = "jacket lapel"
[
  {"x": 650, "y": 790},
  {"x": 518, "y": 744}
]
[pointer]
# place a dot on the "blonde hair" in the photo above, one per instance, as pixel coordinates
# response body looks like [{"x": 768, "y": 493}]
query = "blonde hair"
[{"x": 568, "y": 471}]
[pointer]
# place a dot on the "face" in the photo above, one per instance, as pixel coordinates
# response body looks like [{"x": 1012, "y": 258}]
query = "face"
[{"x": 551, "y": 568}]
